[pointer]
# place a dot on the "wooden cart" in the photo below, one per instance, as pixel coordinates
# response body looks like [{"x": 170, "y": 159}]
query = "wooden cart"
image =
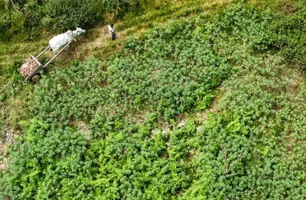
[{"x": 31, "y": 69}]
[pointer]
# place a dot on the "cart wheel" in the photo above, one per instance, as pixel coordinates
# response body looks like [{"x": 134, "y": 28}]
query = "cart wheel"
[{"x": 36, "y": 78}]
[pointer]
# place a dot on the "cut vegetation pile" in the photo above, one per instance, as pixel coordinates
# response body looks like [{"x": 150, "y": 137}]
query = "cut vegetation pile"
[{"x": 29, "y": 67}]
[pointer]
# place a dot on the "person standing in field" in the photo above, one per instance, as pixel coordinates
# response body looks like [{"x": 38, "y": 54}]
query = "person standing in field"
[{"x": 111, "y": 31}]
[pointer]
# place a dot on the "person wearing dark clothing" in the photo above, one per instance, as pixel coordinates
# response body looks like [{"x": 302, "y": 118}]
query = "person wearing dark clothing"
[{"x": 111, "y": 31}]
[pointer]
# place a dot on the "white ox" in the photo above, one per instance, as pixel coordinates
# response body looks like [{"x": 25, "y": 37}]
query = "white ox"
[{"x": 62, "y": 39}]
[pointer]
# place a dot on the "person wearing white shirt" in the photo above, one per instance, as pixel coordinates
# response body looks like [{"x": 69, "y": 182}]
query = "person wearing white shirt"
[{"x": 111, "y": 31}]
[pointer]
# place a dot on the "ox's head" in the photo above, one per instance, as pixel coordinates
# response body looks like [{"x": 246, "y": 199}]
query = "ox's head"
[{"x": 78, "y": 31}]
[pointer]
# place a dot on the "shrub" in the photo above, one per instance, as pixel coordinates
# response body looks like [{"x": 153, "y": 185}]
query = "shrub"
[
  {"x": 119, "y": 6},
  {"x": 11, "y": 26},
  {"x": 288, "y": 34},
  {"x": 65, "y": 14}
]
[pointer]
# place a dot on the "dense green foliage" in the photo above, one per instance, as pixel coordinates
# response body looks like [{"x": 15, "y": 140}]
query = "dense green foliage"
[
  {"x": 137, "y": 126},
  {"x": 63, "y": 14},
  {"x": 289, "y": 36},
  {"x": 246, "y": 153}
]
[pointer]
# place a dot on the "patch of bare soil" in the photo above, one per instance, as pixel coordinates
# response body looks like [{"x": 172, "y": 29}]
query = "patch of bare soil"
[
  {"x": 214, "y": 106},
  {"x": 7, "y": 139},
  {"x": 287, "y": 7},
  {"x": 82, "y": 128}
]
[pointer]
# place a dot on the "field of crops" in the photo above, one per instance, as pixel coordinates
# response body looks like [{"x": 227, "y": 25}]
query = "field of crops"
[{"x": 209, "y": 107}]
